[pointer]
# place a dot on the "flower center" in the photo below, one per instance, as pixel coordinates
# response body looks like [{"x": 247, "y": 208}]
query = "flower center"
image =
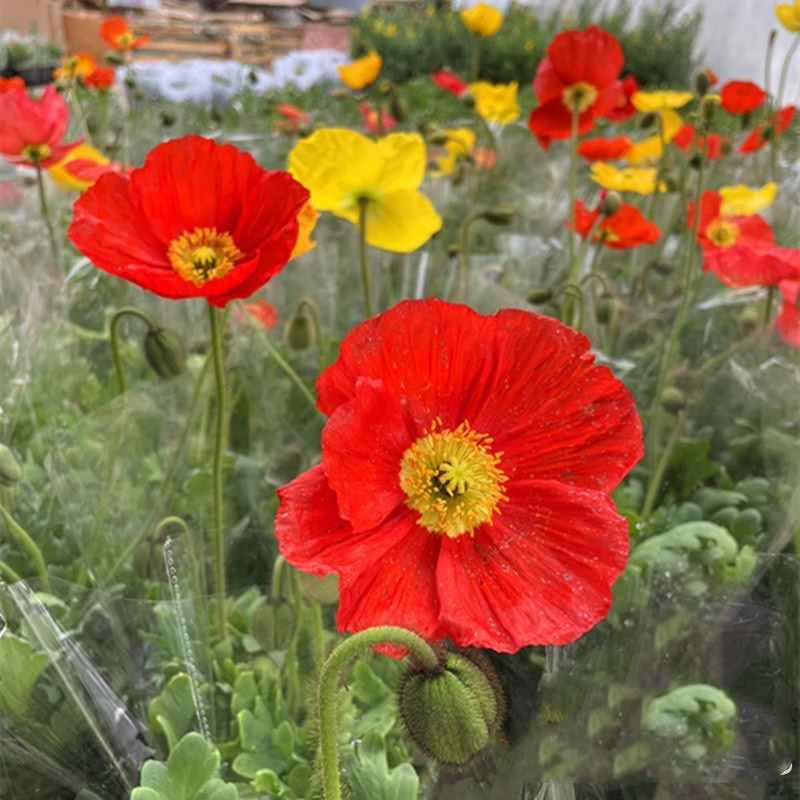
[
  {"x": 452, "y": 478},
  {"x": 723, "y": 233},
  {"x": 125, "y": 40},
  {"x": 36, "y": 152},
  {"x": 579, "y": 96},
  {"x": 203, "y": 255}
]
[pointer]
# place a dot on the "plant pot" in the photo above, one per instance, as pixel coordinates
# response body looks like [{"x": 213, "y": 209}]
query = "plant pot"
[{"x": 36, "y": 76}]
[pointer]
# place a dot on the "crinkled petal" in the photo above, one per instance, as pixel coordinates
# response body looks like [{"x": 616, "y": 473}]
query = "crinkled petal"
[
  {"x": 401, "y": 221},
  {"x": 592, "y": 55},
  {"x": 746, "y": 265},
  {"x": 405, "y": 160}
]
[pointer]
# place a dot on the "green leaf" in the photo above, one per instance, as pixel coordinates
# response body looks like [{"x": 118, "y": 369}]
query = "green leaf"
[
  {"x": 173, "y": 711},
  {"x": 690, "y": 466},
  {"x": 20, "y": 668},
  {"x": 371, "y": 778},
  {"x": 192, "y": 763}
]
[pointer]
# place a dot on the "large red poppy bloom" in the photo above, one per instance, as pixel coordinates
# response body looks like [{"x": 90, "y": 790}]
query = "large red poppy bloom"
[
  {"x": 463, "y": 489},
  {"x": 627, "y": 227},
  {"x": 788, "y": 320},
  {"x": 778, "y": 123},
  {"x": 116, "y": 31},
  {"x": 32, "y": 128},
  {"x": 199, "y": 219},
  {"x": 739, "y": 97},
  {"x": 741, "y": 250},
  {"x": 578, "y": 74},
  {"x": 601, "y": 149}
]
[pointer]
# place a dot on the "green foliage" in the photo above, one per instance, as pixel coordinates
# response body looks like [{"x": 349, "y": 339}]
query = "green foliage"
[
  {"x": 370, "y": 776},
  {"x": 659, "y": 44}
]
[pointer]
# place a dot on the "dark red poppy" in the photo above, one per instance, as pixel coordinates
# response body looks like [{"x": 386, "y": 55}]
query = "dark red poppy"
[
  {"x": 687, "y": 139},
  {"x": 199, "y": 219},
  {"x": 463, "y": 489},
  {"x": 761, "y": 135},
  {"x": 449, "y": 82},
  {"x": 376, "y": 121},
  {"x": 12, "y": 83},
  {"x": 624, "y": 107},
  {"x": 578, "y": 74},
  {"x": 100, "y": 78},
  {"x": 32, "y": 128},
  {"x": 625, "y": 228},
  {"x": 740, "y": 250},
  {"x": 739, "y": 97},
  {"x": 601, "y": 149},
  {"x": 788, "y": 319},
  {"x": 116, "y": 31}
]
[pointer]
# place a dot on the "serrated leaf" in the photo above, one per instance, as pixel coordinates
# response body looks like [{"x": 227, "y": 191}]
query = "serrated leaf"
[{"x": 690, "y": 466}]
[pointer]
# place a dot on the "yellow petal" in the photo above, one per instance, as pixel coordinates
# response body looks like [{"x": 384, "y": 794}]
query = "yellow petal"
[
  {"x": 651, "y": 149},
  {"x": 401, "y": 221},
  {"x": 67, "y": 181},
  {"x": 496, "y": 102},
  {"x": 362, "y": 71},
  {"x": 306, "y": 220},
  {"x": 404, "y": 161},
  {"x": 482, "y": 19},
  {"x": 655, "y": 101},
  {"x": 742, "y": 200},
  {"x": 789, "y": 16},
  {"x": 630, "y": 179}
]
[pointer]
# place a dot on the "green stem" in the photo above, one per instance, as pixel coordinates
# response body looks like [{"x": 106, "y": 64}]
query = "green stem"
[
  {"x": 720, "y": 358},
  {"x": 654, "y": 486},
  {"x": 769, "y": 304},
  {"x": 8, "y": 573},
  {"x": 291, "y": 374},
  {"x": 219, "y": 455},
  {"x": 45, "y": 211},
  {"x": 462, "y": 277},
  {"x": 573, "y": 262},
  {"x": 28, "y": 545},
  {"x": 362, "y": 254},
  {"x": 317, "y": 633},
  {"x": 114, "y": 335},
  {"x": 328, "y": 691},
  {"x": 275, "y": 588},
  {"x": 475, "y": 58},
  {"x": 785, "y": 71}
]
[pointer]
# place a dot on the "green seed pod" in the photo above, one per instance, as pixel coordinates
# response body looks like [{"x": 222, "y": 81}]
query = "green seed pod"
[
  {"x": 610, "y": 204},
  {"x": 115, "y": 58},
  {"x": 673, "y": 400},
  {"x": 748, "y": 321},
  {"x": 648, "y": 121},
  {"x": 467, "y": 98},
  {"x": 452, "y": 713},
  {"x": 167, "y": 118},
  {"x": 499, "y": 216},
  {"x": 299, "y": 332},
  {"x": 708, "y": 108},
  {"x": 702, "y": 82},
  {"x": 539, "y": 296},
  {"x": 438, "y": 137},
  {"x": 10, "y": 469},
  {"x": 164, "y": 353}
]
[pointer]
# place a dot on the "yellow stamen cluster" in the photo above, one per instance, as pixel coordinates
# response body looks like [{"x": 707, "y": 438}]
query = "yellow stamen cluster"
[
  {"x": 203, "y": 255},
  {"x": 579, "y": 96},
  {"x": 125, "y": 40},
  {"x": 36, "y": 152},
  {"x": 452, "y": 478},
  {"x": 723, "y": 233}
]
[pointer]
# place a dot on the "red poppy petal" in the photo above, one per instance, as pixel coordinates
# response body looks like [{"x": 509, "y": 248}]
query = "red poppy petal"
[
  {"x": 448, "y": 352},
  {"x": 546, "y": 83},
  {"x": 365, "y": 476},
  {"x": 541, "y": 574},
  {"x": 592, "y": 55},
  {"x": 601, "y": 149},
  {"x": 553, "y": 120},
  {"x": 563, "y": 417},
  {"x": 788, "y": 322},
  {"x": 738, "y": 97},
  {"x": 744, "y": 265}
]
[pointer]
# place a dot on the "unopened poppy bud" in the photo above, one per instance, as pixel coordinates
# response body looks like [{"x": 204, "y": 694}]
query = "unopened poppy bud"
[
  {"x": 130, "y": 82},
  {"x": 398, "y": 106},
  {"x": 606, "y": 309},
  {"x": 702, "y": 82},
  {"x": 610, "y": 204},
  {"x": 115, "y": 58},
  {"x": 670, "y": 180},
  {"x": 663, "y": 267},
  {"x": 167, "y": 118},
  {"x": 467, "y": 98},
  {"x": 695, "y": 160},
  {"x": 340, "y": 93},
  {"x": 539, "y": 296},
  {"x": 453, "y": 250},
  {"x": 648, "y": 121},
  {"x": 451, "y": 713},
  {"x": 748, "y": 321},
  {"x": 708, "y": 107},
  {"x": 499, "y": 216},
  {"x": 438, "y": 137},
  {"x": 673, "y": 400},
  {"x": 164, "y": 353},
  {"x": 10, "y": 469},
  {"x": 298, "y": 332}
]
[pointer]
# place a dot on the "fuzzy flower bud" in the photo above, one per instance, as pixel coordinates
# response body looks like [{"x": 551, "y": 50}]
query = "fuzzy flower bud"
[
  {"x": 673, "y": 400},
  {"x": 299, "y": 331},
  {"x": 610, "y": 203},
  {"x": 499, "y": 215},
  {"x": 453, "y": 713},
  {"x": 164, "y": 353},
  {"x": 10, "y": 470}
]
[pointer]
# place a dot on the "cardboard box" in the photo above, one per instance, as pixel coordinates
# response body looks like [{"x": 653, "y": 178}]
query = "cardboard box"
[
  {"x": 82, "y": 32},
  {"x": 45, "y": 16}
]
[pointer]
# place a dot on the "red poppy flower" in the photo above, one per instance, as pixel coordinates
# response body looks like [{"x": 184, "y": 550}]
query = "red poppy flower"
[
  {"x": 624, "y": 107},
  {"x": 463, "y": 489},
  {"x": 788, "y": 319},
  {"x": 199, "y": 219},
  {"x": 601, "y": 149},
  {"x": 625, "y": 228},
  {"x": 292, "y": 118},
  {"x": 741, "y": 250},
  {"x": 14, "y": 83},
  {"x": 117, "y": 32},
  {"x": 579, "y": 73},
  {"x": 449, "y": 82},
  {"x": 687, "y": 139},
  {"x": 100, "y": 78},
  {"x": 739, "y": 97},
  {"x": 32, "y": 128},
  {"x": 375, "y": 121},
  {"x": 261, "y": 312},
  {"x": 777, "y": 125}
]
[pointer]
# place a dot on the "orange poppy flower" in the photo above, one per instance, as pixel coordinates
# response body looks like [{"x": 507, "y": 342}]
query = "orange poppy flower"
[
  {"x": 117, "y": 32},
  {"x": 76, "y": 65},
  {"x": 578, "y": 74},
  {"x": 291, "y": 118},
  {"x": 601, "y": 149},
  {"x": 688, "y": 140},
  {"x": 11, "y": 84},
  {"x": 100, "y": 78},
  {"x": 361, "y": 72},
  {"x": 625, "y": 228},
  {"x": 376, "y": 121},
  {"x": 739, "y": 97},
  {"x": 778, "y": 123},
  {"x": 199, "y": 219},
  {"x": 788, "y": 319}
]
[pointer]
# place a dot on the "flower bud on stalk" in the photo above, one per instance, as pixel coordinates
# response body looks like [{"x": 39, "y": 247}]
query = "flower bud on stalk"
[
  {"x": 610, "y": 203},
  {"x": 452, "y": 713},
  {"x": 299, "y": 332},
  {"x": 702, "y": 82},
  {"x": 498, "y": 216},
  {"x": 164, "y": 353},
  {"x": 10, "y": 469},
  {"x": 673, "y": 400},
  {"x": 467, "y": 98}
]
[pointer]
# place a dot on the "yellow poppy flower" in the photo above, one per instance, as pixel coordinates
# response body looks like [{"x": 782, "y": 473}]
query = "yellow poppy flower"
[
  {"x": 362, "y": 71},
  {"x": 651, "y": 149},
  {"x": 74, "y": 66},
  {"x": 482, "y": 19},
  {"x": 742, "y": 200},
  {"x": 789, "y": 15},
  {"x": 306, "y": 220},
  {"x": 656, "y": 101},
  {"x": 67, "y": 181},
  {"x": 343, "y": 169},
  {"x": 496, "y": 102},
  {"x": 459, "y": 144},
  {"x": 629, "y": 179}
]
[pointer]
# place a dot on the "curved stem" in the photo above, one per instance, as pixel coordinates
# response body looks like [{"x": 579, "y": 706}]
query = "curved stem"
[
  {"x": 218, "y": 532},
  {"x": 291, "y": 374},
  {"x": 362, "y": 254},
  {"x": 462, "y": 278},
  {"x": 573, "y": 262},
  {"x": 329, "y": 684},
  {"x": 128, "y": 311},
  {"x": 8, "y": 573},
  {"x": 654, "y": 486},
  {"x": 785, "y": 71},
  {"x": 171, "y": 520},
  {"x": 28, "y": 545},
  {"x": 46, "y": 212}
]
